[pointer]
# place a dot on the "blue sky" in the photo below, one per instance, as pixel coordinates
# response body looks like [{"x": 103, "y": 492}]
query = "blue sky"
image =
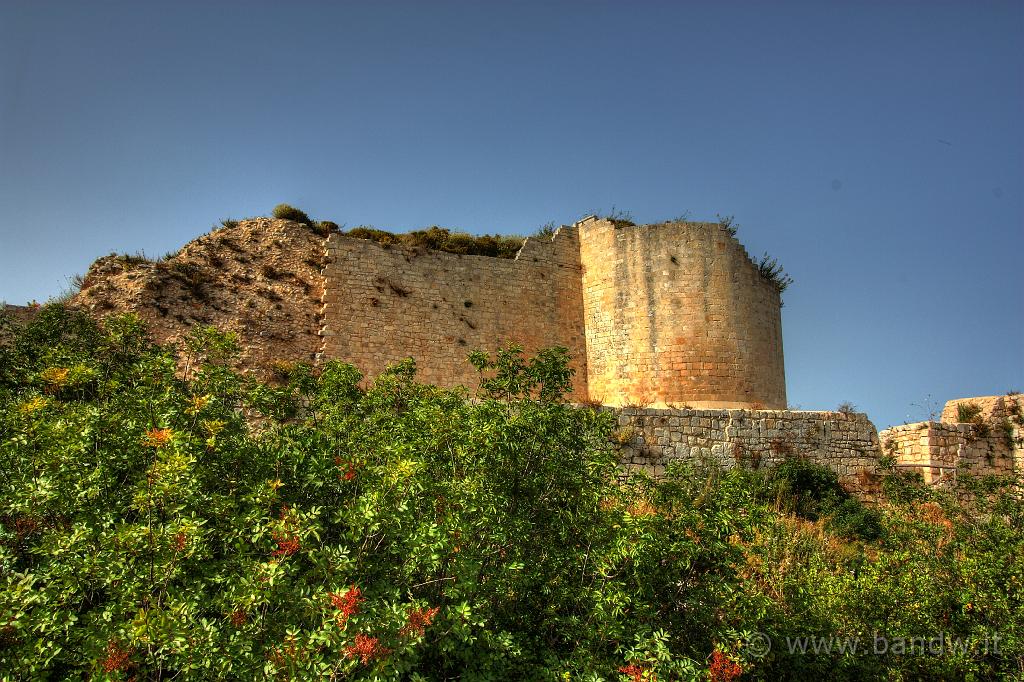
[{"x": 875, "y": 148}]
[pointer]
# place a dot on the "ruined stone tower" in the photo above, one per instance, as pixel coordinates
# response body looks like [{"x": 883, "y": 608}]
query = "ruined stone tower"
[
  {"x": 676, "y": 313},
  {"x": 668, "y": 314}
]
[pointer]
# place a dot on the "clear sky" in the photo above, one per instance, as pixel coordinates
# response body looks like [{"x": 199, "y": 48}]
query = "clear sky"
[{"x": 876, "y": 148}]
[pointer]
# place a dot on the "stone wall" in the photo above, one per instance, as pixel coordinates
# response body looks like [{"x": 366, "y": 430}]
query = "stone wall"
[
  {"x": 928, "y": 448},
  {"x": 671, "y": 314},
  {"x": 384, "y": 304},
  {"x": 677, "y": 314},
  {"x": 991, "y": 444},
  {"x": 846, "y": 443}
]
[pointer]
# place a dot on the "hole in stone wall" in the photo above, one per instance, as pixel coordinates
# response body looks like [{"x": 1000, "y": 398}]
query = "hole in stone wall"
[{"x": 468, "y": 304}]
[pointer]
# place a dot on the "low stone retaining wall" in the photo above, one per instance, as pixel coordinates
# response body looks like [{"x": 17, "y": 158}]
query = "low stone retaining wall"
[{"x": 650, "y": 439}]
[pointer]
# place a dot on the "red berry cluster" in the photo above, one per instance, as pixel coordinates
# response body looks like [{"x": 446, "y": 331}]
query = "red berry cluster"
[
  {"x": 723, "y": 668},
  {"x": 419, "y": 619},
  {"x": 117, "y": 658},
  {"x": 348, "y": 469},
  {"x": 366, "y": 649},
  {"x": 287, "y": 539},
  {"x": 638, "y": 673},
  {"x": 287, "y": 543},
  {"x": 347, "y": 603}
]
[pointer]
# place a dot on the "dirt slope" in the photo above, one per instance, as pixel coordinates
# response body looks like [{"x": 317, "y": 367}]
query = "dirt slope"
[{"x": 260, "y": 279}]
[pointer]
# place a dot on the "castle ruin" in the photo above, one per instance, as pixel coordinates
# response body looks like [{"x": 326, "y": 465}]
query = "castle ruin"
[
  {"x": 670, "y": 314},
  {"x": 671, "y": 326}
]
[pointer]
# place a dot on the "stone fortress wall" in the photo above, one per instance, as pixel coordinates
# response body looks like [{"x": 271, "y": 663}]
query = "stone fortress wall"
[
  {"x": 678, "y": 314},
  {"x": 670, "y": 325},
  {"x": 668, "y": 314},
  {"x": 383, "y": 304},
  {"x": 992, "y": 443}
]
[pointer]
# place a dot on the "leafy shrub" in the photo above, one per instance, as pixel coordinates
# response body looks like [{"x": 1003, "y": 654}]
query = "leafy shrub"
[
  {"x": 162, "y": 516},
  {"x": 1006, "y": 428},
  {"x": 806, "y": 488},
  {"x": 546, "y": 231},
  {"x": 852, "y": 519},
  {"x": 373, "y": 234},
  {"x": 286, "y": 212}
]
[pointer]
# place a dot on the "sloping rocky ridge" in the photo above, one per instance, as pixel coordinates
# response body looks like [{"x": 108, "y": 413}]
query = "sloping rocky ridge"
[{"x": 260, "y": 278}]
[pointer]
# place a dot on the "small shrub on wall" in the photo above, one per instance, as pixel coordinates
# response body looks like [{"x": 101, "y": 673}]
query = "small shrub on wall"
[{"x": 286, "y": 212}]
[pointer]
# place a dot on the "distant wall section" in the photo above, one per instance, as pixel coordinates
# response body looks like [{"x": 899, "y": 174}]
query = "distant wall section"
[
  {"x": 384, "y": 304},
  {"x": 991, "y": 444},
  {"x": 677, "y": 314},
  {"x": 651, "y": 439}
]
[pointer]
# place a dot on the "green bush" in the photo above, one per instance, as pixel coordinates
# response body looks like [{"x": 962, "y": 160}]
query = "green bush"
[
  {"x": 805, "y": 488},
  {"x": 852, "y": 519},
  {"x": 165, "y": 517},
  {"x": 286, "y": 212}
]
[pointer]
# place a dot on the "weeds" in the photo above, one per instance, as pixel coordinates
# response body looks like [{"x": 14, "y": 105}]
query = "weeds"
[
  {"x": 773, "y": 273},
  {"x": 442, "y": 239},
  {"x": 618, "y": 218},
  {"x": 130, "y": 261},
  {"x": 545, "y": 231},
  {"x": 968, "y": 413},
  {"x": 728, "y": 223}
]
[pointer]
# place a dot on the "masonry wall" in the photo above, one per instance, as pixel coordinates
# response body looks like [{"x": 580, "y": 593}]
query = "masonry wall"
[
  {"x": 384, "y": 304},
  {"x": 846, "y": 443},
  {"x": 992, "y": 445},
  {"x": 677, "y": 314},
  {"x": 928, "y": 448}
]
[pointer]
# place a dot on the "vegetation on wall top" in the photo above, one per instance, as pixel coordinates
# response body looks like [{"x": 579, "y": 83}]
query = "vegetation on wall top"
[
  {"x": 443, "y": 239},
  {"x": 771, "y": 271}
]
